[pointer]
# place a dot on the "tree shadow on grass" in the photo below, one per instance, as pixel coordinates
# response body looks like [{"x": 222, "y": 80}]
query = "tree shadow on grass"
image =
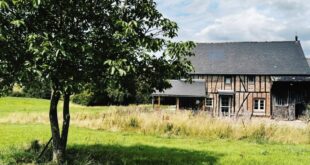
[
  {"x": 114, "y": 155},
  {"x": 139, "y": 154}
]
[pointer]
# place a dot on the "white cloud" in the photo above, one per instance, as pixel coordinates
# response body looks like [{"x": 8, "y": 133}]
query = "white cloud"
[
  {"x": 240, "y": 20},
  {"x": 246, "y": 26}
]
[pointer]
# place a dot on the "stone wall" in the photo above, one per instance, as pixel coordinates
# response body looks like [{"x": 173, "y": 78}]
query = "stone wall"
[{"x": 284, "y": 112}]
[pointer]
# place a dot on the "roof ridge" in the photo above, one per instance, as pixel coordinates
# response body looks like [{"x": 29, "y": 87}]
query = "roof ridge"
[{"x": 232, "y": 42}]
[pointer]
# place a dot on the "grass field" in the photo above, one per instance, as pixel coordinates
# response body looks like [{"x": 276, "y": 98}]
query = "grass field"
[{"x": 126, "y": 146}]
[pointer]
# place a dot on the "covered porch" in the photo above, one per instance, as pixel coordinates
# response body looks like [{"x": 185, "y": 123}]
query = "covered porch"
[{"x": 183, "y": 95}]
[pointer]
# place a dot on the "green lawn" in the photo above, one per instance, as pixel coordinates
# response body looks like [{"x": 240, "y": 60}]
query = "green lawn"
[
  {"x": 102, "y": 147},
  {"x": 136, "y": 148},
  {"x": 28, "y": 105}
]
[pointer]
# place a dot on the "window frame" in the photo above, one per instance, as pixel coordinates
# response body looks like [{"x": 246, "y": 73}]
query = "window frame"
[
  {"x": 211, "y": 105},
  {"x": 259, "y": 106}
]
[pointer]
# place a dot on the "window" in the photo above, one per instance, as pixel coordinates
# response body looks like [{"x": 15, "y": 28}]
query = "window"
[
  {"x": 259, "y": 105},
  {"x": 225, "y": 105},
  {"x": 251, "y": 79},
  {"x": 281, "y": 101},
  {"x": 209, "y": 102},
  {"x": 227, "y": 79}
]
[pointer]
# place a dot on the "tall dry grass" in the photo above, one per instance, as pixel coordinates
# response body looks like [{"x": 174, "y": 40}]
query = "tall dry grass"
[{"x": 181, "y": 123}]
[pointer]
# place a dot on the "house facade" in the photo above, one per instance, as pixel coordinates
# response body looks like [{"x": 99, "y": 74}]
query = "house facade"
[{"x": 269, "y": 79}]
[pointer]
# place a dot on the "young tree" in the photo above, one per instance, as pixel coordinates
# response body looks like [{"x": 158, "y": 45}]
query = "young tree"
[{"x": 94, "y": 42}]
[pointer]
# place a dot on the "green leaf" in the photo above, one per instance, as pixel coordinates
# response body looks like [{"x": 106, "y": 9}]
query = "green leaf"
[
  {"x": 57, "y": 52},
  {"x": 18, "y": 23},
  {"x": 112, "y": 70},
  {"x": 4, "y": 5},
  {"x": 121, "y": 72},
  {"x": 2, "y": 38}
]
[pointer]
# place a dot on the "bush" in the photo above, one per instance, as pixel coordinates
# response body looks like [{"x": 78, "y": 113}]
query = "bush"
[
  {"x": 43, "y": 92},
  {"x": 17, "y": 94},
  {"x": 34, "y": 90},
  {"x": 84, "y": 98},
  {"x": 17, "y": 91}
]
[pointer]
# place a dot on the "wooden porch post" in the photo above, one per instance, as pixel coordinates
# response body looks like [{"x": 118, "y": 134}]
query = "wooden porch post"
[
  {"x": 204, "y": 104},
  {"x": 153, "y": 102},
  {"x": 158, "y": 102},
  {"x": 177, "y": 103},
  {"x": 229, "y": 109}
]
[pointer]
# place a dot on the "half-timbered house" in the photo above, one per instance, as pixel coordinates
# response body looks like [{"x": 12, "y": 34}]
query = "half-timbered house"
[{"x": 270, "y": 79}]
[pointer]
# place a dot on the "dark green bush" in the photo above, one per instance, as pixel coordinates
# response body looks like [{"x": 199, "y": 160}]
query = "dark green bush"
[
  {"x": 84, "y": 98},
  {"x": 43, "y": 93},
  {"x": 35, "y": 89}
]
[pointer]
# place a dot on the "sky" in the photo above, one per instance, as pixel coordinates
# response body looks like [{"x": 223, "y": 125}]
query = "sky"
[{"x": 240, "y": 20}]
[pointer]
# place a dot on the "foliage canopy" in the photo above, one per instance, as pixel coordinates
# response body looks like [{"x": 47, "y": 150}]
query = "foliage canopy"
[{"x": 80, "y": 43}]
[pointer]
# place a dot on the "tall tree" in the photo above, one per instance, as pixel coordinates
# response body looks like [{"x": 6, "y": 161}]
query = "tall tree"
[
  {"x": 94, "y": 42},
  {"x": 13, "y": 48}
]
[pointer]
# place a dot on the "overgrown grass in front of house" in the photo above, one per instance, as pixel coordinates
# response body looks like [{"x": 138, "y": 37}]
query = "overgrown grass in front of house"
[{"x": 140, "y": 119}]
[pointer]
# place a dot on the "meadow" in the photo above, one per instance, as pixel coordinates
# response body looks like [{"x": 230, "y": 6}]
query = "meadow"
[{"x": 138, "y": 135}]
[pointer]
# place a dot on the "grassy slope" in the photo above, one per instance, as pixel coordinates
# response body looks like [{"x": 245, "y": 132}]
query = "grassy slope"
[
  {"x": 28, "y": 105},
  {"x": 131, "y": 148}
]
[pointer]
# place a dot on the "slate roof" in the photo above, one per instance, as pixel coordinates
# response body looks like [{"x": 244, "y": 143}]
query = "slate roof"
[
  {"x": 290, "y": 78},
  {"x": 308, "y": 60},
  {"x": 250, "y": 58},
  {"x": 181, "y": 88}
]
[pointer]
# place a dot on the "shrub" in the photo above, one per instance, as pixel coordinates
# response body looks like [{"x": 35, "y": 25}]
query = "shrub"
[
  {"x": 17, "y": 91},
  {"x": 43, "y": 92},
  {"x": 83, "y": 98},
  {"x": 17, "y": 94},
  {"x": 33, "y": 90}
]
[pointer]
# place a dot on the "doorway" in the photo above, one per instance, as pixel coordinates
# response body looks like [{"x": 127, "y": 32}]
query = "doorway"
[
  {"x": 300, "y": 110},
  {"x": 225, "y": 105}
]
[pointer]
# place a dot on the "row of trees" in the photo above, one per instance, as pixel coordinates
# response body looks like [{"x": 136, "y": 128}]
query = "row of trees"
[
  {"x": 95, "y": 44},
  {"x": 131, "y": 91}
]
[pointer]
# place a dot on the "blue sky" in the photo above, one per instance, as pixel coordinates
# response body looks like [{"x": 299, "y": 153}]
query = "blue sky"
[{"x": 240, "y": 20}]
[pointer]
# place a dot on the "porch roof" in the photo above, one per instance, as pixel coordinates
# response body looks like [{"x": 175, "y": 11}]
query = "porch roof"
[{"x": 181, "y": 88}]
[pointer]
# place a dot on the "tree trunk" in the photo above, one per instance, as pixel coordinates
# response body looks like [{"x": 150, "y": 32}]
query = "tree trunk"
[
  {"x": 66, "y": 122},
  {"x": 57, "y": 153}
]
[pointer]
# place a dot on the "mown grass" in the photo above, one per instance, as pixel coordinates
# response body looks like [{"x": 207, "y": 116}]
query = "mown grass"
[
  {"x": 137, "y": 135},
  {"x": 20, "y": 105},
  {"x": 103, "y": 147}
]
